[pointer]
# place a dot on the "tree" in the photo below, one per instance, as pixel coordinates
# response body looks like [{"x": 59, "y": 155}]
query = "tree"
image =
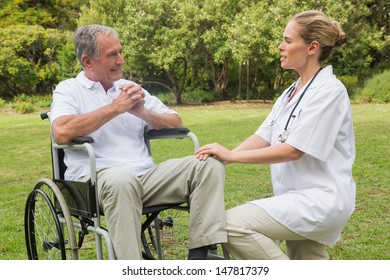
[
  {"x": 254, "y": 38},
  {"x": 198, "y": 43},
  {"x": 31, "y": 35},
  {"x": 372, "y": 20},
  {"x": 157, "y": 40},
  {"x": 58, "y": 14},
  {"x": 27, "y": 59}
]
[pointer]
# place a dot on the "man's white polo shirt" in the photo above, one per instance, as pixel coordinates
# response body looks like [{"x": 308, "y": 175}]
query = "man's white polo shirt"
[{"x": 120, "y": 142}]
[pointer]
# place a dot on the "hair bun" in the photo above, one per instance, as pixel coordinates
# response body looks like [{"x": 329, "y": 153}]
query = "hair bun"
[{"x": 341, "y": 40}]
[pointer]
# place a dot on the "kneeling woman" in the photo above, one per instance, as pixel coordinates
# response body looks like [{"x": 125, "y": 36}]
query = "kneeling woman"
[{"x": 308, "y": 140}]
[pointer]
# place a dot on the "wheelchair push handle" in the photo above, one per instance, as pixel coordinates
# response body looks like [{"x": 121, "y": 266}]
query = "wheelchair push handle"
[{"x": 44, "y": 115}]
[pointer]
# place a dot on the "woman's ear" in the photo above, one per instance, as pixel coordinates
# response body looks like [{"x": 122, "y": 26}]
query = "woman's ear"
[{"x": 314, "y": 47}]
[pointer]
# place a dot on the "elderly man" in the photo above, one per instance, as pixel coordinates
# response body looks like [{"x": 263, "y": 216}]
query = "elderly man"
[{"x": 115, "y": 113}]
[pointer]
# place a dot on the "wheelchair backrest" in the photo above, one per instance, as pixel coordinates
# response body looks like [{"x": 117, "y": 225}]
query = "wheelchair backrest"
[{"x": 61, "y": 167}]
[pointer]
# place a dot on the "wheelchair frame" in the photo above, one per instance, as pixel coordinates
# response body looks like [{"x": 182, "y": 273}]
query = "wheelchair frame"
[{"x": 75, "y": 206}]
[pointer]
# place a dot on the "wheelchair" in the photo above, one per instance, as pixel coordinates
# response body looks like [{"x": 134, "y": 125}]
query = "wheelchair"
[{"x": 60, "y": 214}]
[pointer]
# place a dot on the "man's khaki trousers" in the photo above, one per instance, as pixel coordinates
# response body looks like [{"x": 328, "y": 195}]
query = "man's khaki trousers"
[{"x": 122, "y": 195}]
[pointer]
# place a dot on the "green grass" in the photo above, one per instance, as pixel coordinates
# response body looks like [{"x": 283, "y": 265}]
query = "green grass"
[{"x": 25, "y": 158}]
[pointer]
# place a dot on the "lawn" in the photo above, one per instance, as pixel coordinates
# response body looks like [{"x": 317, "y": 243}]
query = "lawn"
[{"x": 25, "y": 158}]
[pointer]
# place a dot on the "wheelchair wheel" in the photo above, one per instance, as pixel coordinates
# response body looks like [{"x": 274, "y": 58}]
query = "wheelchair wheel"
[
  {"x": 170, "y": 241},
  {"x": 166, "y": 238},
  {"x": 49, "y": 230}
]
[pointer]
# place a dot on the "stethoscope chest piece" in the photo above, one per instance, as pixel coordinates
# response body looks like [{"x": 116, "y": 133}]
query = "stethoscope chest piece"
[{"x": 284, "y": 135}]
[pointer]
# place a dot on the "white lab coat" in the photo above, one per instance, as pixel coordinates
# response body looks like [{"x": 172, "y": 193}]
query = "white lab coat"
[{"x": 315, "y": 195}]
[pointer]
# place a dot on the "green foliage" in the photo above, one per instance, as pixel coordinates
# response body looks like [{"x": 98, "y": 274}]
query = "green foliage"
[
  {"x": 2, "y": 103},
  {"x": 40, "y": 102},
  {"x": 25, "y": 104},
  {"x": 229, "y": 46},
  {"x": 167, "y": 98},
  {"x": 194, "y": 97},
  {"x": 28, "y": 59},
  {"x": 60, "y": 14},
  {"x": 31, "y": 34},
  {"x": 23, "y": 107},
  {"x": 188, "y": 44},
  {"x": 350, "y": 82},
  {"x": 68, "y": 65},
  {"x": 199, "y": 97},
  {"x": 375, "y": 90}
]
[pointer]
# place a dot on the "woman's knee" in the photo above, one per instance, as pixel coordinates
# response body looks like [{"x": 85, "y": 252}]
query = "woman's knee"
[
  {"x": 306, "y": 250},
  {"x": 237, "y": 217}
]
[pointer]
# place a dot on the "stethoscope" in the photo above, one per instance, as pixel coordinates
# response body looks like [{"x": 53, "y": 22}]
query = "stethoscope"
[{"x": 284, "y": 135}]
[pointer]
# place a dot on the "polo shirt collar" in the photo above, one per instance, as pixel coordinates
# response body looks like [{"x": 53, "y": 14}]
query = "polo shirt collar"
[
  {"x": 85, "y": 81},
  {"x": 95, "y": 85}
]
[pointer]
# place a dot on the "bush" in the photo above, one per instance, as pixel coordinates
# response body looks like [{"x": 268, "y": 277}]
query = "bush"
[
  {"x": 375, "y": 90},
  {"x": 167, "y": 98},
  {"x": 28, "y": 59},
  {"x": 189, "y": 97},
  {"x": 25, "y": 104},
  {"x": 351, "y": 83},
  {"x": 199, "y": 97},
  {"x": 2, "y": 103},
  {"x": 23, "y": 107}
]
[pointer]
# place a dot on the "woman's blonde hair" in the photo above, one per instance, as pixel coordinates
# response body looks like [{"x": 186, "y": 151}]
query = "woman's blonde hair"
[{"x": 315, "y": 26}]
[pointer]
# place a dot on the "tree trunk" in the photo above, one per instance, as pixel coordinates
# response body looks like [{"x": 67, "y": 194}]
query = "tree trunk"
[
  {"x": 239, "y": 80},
  {"x": 220, "y": 77},
  {"x": 247, "y": 80}
]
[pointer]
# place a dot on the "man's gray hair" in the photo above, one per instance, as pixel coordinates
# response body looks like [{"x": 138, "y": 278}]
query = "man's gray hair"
[{"x": 85, "y": 40}]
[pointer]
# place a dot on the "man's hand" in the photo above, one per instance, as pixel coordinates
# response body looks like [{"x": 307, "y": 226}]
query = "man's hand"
[{"x": 131, "y": 98}]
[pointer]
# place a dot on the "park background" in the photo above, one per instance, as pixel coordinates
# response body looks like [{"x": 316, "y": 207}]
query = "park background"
[{"x": 216, "y": 63}]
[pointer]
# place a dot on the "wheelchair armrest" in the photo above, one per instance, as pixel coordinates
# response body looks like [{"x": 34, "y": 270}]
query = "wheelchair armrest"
[
  {"x": 86, "y": 146},
  {"x": 82, "y": 140},
  {"x": 166, "y": 133},
  {"x": 180, "y": 132}
]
